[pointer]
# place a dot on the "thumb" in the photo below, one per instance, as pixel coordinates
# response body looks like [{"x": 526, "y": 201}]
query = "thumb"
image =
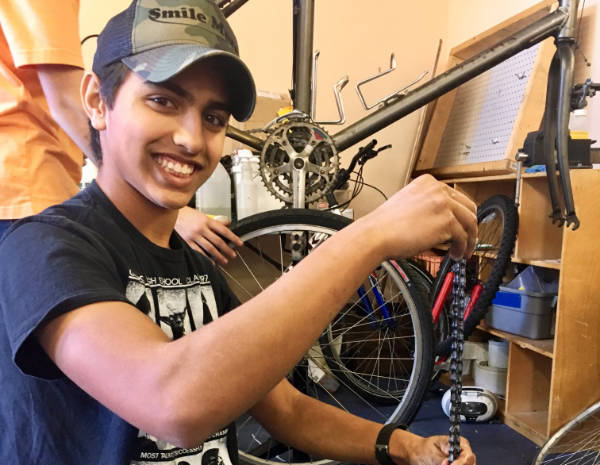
[{"x": 444, "y": 445}]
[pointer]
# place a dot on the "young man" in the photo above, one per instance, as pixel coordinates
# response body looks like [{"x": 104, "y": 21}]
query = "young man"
[
  {"x": 112, "y": 352},
  {"x": 42, "y": 120}
]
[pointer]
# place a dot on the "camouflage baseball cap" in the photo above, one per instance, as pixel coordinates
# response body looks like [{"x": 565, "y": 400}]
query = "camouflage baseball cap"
[{"x": 157, "y": 39}]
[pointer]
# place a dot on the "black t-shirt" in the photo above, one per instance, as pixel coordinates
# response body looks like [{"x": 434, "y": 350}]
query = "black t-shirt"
[{"x": 74, "y": 254}]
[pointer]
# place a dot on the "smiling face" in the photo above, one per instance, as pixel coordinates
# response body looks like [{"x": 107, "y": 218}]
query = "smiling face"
[{"x": 161, "y": 142}]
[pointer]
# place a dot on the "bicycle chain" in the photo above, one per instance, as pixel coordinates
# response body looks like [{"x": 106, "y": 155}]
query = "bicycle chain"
[{"x": 457, "y": 325}]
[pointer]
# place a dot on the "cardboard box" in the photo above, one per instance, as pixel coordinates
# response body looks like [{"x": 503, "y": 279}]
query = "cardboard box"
[{"x": 267, "y": 106}]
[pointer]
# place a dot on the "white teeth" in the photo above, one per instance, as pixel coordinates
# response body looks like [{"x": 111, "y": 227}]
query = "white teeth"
[{"x": 176, "y": 167}]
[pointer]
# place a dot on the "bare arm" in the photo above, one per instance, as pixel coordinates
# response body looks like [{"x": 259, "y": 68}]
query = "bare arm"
[
  {"x": 199, "y": 383},
  {"x": 329, "y": 432},
  {"x": 60, "y": 84}
]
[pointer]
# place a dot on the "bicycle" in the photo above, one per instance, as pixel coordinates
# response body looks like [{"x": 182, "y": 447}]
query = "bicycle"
[
  {"x": 497, "y": 219},
  {"x": 375, "y": 358},
  {"x": 576, "y": 443},
  {"x": 498, "y": 223},
  {"x": 300, "y": 162}
]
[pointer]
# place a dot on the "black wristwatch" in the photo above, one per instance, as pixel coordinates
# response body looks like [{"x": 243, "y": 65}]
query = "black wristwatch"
[{"x": 382, "y": 443}]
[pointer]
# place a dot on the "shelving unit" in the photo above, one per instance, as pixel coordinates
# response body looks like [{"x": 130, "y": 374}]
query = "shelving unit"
[{"x": 550, "y": 381}]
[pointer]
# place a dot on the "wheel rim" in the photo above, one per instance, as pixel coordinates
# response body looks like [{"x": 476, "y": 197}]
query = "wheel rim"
[
  {"x": 490, "y": 230},
  {"x": 577, "y": 443},
  {"x": 264, "y": 257}
]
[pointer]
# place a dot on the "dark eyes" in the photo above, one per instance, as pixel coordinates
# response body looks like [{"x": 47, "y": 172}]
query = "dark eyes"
[
  {"x": 215, "y": 118},
  {"x": 162, "y": 101}
]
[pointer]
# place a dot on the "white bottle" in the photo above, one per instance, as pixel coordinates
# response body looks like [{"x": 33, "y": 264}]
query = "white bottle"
[
  {"x": 251, "y": 196},
  {"x": 214, "y": 196}
]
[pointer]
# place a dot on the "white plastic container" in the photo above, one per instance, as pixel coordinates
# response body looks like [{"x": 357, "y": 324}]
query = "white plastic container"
[
  {"x": 578, "y": 120},
  {"x": 251, "y": 196},
  {"x": 498, "y": 353},
  {"x": 491, "y": 378},
  {"x": 214, "y": 196},
  {"x": 473, "y": 352}
]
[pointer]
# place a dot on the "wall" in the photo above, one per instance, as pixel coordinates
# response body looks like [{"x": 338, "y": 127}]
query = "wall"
[
  {"x": 356, "y": 38},
  {"x": 462, "y": 26}
]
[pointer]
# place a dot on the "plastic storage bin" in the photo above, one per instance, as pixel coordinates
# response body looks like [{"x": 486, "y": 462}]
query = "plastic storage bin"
[{"x": 526, "y": 305}]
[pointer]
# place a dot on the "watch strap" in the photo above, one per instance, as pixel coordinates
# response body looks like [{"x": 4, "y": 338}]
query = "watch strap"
[{"x": 382, "y": 443}]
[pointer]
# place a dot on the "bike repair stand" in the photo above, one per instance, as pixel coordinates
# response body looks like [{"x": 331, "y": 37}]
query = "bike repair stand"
[{"x": 457, "y": 327}]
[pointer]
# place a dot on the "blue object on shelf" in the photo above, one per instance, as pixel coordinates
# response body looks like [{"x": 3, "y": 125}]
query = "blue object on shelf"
[
  {"x": 526, "y": 305},
  {"x": 536, "y": 169}
]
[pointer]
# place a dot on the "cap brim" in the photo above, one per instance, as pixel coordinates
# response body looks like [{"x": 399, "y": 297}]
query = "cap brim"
[{"x": 162, "y": 63}]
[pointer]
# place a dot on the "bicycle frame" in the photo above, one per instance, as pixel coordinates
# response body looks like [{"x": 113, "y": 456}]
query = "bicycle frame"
[{"x": 560, "y": 24}]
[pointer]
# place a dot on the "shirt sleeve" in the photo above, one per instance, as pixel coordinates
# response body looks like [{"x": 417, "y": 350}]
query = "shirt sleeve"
[
  {"x": 47, "y": 271},
  {"x": 42, "y": 31}
]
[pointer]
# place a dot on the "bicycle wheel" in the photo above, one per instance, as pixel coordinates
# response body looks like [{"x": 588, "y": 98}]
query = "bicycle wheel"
[
  {"x": 376, "y": 350},
  {"x": 576, "y": 443},
  {"x": 441, "y": 329},
  {"x": 497, "y": 222}
]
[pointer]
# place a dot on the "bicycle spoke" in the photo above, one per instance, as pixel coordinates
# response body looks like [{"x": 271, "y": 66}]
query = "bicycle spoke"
[
  {"x": 236, "y": 281},
  {"x": 366, "y": 356},
  {"x": 347, "y": 385},
  {"x": 250, "y": 271},
  {"x": 364, "y": 401}
]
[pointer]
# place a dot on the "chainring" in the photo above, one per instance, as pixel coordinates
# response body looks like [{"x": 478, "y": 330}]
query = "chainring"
[{"x": 293, "y": 139}]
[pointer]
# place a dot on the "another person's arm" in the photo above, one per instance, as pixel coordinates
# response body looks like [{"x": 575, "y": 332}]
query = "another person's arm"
[
  {"x": 61, "y": 84},
  {"x": 48, "y": 42}
]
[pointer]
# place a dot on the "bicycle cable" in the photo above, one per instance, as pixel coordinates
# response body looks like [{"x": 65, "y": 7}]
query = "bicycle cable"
[
  {"x": 86, "y": 38},
  {"x": 577, "y": 45}
]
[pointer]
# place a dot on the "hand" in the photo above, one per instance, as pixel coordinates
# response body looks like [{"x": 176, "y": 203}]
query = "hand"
[
  {"x": 434, "y": 450},
  {"x": 207, "y": 235},
  {"x": 423, "y": 214}
]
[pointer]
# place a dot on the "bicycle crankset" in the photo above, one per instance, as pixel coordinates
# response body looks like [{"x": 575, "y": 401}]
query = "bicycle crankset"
[{"x": 298, "y": 155}]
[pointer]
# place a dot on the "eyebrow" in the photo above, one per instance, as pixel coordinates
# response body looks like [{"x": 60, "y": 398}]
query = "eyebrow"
[
  {"x": 181, "y": 92},
  {"x": 175, "y": 88}
]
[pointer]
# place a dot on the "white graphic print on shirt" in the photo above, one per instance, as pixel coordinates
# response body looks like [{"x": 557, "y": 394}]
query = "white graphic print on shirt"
[{"x": 178, "y": 308}]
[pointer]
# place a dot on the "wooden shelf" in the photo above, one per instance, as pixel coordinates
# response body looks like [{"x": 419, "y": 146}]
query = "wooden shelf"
[
  {"x": 497, "y": 177},
  {"x": 532, "y": 425},
  {"x": 543, "y": 347},
  {"x": 549, "y": 380},
  {"x": 550, "y": 263}
]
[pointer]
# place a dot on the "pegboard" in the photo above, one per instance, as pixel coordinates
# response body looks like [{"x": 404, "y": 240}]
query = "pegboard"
[
  {"x": 484, "y": 112},
  {"x": 478, "y": 128}
]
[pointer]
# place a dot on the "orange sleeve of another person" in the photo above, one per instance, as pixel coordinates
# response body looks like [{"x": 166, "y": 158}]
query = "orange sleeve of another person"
[{"x": 39, "y": 164}]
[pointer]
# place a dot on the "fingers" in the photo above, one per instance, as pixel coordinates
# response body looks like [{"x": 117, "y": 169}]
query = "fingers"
[
  {"x": 215, "y": 247},
  {"x": 464, "y": 228},
  {"x": 463, "y": 232},
  {"x": 466, "y": 457},
  {"x": 207, "y": 235},
  {"x": 220, "y": 228}
]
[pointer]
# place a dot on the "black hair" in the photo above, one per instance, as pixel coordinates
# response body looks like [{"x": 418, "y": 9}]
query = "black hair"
[{"x": 111, "y": 78}]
